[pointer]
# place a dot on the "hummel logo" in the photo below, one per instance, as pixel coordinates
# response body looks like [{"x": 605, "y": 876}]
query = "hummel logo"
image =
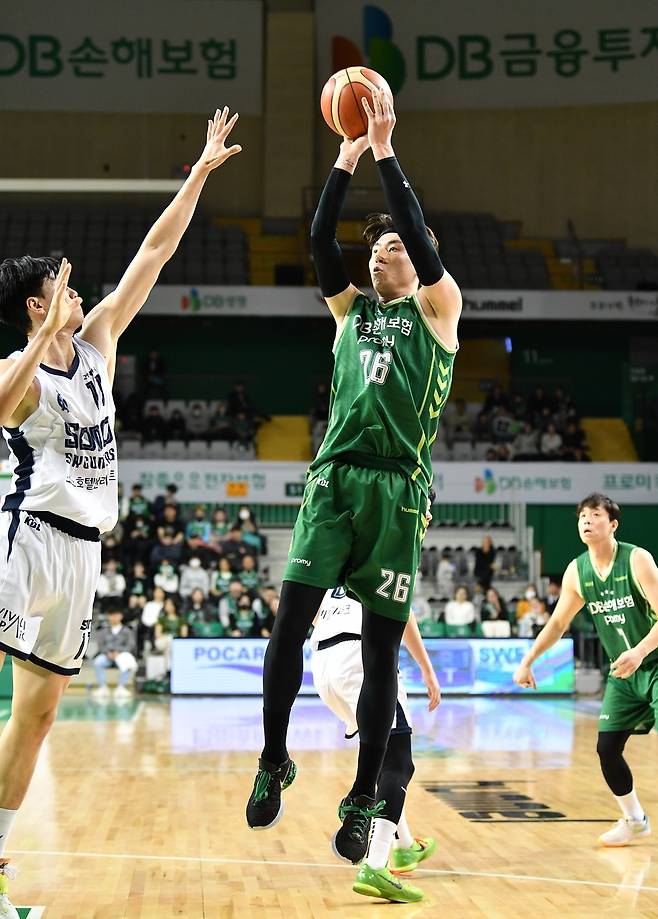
[
  {"x": 63, "y": 404},
  {"x": 406, "y": 184}
]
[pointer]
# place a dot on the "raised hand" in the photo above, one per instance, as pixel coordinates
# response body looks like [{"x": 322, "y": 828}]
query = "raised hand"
[
  {"x": 381, "y": 119},
  {"x": 62, "y": 304},
  {"x": 216, "y": 152}
]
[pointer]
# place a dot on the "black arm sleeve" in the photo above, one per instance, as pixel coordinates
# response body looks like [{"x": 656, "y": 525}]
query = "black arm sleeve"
[
  {"x": 329, "y": 265},
  {"x": 409, "y": 222}
]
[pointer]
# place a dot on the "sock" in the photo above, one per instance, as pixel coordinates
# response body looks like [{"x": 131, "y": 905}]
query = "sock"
[
  {"x": 630, "y": 805},
  {"x": 7, "y": 818},
  {"x": 381, "y": 841},
  {"x": 405, "y": 839}
]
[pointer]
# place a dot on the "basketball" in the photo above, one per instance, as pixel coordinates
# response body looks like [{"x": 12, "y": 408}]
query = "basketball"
[{"x": 341, "y": 104}]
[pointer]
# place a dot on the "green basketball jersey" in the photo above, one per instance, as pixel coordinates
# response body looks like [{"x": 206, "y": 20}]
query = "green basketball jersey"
[
  {"x": 621, "y": 613},
  {"x": 391, "y": 381}
]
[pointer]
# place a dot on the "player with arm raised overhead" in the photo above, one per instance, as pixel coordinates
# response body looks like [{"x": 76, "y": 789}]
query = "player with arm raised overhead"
[
  {"x": 362, "y": 517},
  {"x": 57, "y": 415},
  {"x": 617, "y": 583}
]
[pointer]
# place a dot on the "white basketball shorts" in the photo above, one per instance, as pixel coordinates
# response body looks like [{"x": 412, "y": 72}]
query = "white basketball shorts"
[
  {"x": 338, "y": 677},
  {"x": 47, "y": 584}
]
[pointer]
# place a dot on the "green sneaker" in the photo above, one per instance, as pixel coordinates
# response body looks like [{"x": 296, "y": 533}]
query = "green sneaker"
[
  {"x": 265, "y": 807},
  {"x": 404, "y": 860},
  {"x": 381, "y": 883}
]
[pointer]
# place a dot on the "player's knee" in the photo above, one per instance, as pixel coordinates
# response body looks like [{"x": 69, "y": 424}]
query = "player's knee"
[
  {"x": 610, "y": 745},
  {"x": 35, "y": 721}
]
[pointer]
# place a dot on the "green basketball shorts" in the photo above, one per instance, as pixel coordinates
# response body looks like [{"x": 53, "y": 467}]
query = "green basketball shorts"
[
  {"x": 631, "y": 704},
  {"x": 361, "y": 528}
]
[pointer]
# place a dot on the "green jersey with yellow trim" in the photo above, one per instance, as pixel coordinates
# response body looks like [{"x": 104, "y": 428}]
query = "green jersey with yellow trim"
[
  {"x": 622, "y": 614},
  {"x": 391, "y": 380}
]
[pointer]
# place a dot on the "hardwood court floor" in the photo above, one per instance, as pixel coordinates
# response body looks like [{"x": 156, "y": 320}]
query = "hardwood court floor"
[{"x": 137, "y": 812}]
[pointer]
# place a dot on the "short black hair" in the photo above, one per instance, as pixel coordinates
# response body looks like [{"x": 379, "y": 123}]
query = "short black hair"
[
  {"x": 378, "y": 224},
  {"x": 597, "y": 499},
  {"x": 21, "y": 278}
]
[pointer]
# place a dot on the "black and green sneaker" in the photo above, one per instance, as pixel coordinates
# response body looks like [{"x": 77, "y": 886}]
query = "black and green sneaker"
[
  {"x": 265, "y": 807},
  {"x": 351, "y": 841}
]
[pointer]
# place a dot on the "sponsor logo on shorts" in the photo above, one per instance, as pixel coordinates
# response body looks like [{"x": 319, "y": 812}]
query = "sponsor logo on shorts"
[
  {"x": 33, "y": 522},
  {"x": 12, "y": 622},
  {"x": 604, "y": 717},
  {"x": 300, "y": 561},
  {"x": 323, "y": 483}
]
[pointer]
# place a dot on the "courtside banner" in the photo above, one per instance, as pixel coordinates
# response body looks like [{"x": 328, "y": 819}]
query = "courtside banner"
[
  {"x": 234, "y": 666},
  {"x": 572, "y": 305},
  {"x": 479, "y": 54},
  {"x": 149, "y": 56}
]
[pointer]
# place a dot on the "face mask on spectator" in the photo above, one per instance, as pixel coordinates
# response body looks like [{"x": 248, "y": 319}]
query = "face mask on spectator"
[
  {"x": 244, "y": 514},
  {"x": 195, "y": 562},
  {"x": 530, "y": 594}
]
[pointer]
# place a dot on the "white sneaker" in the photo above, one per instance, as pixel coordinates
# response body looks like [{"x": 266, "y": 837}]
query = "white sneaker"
[
  {"x": 122, "y": 692},
  {"x": 7, "y": 911},
  {"x": 626, "y": 830},
  {"x": 101, "y": 692}
]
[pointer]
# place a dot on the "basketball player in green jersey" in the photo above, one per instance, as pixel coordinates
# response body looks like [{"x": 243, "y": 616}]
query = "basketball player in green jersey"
[
  {"x": 618, "y": 585},
  {"x": 362, "y": 517}
]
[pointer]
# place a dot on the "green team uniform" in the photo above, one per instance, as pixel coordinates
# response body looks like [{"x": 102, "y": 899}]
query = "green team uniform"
[
  {"x": 362, "y": 517},
  {"x": 623, "y": 617}
]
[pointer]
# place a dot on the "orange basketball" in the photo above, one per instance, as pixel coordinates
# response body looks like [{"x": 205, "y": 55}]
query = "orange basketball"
[{"x": 341, "y": 104}]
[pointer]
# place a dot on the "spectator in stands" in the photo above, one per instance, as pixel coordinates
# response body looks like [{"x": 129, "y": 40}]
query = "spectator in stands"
[
  {"x": 166, "y": 577},
  {"x": 155, "y": 376},
  {"x": 504, "y": 453},
  {"x": 220, "y": 578},
  {"x": 239, "y": 402},
  {"x": 537, "y": 402},
  {"x": 244, "y": 429},
  {"x": 139, "y": 583},
  {"x": 116, "y": 648},
  {"x": 245, "y": 622},
  {"x": 111, "y": 586},
  {"x": 137, "y": 543},
  {"x": 133, "y": 609},
  {"x": 266, "y": 622},
  {"x": 234, "y": 548},
  {"x": 485, "y": 556},
  {"x": 496, "y": 398},
  {"x": 445, "y": 575},
  {"x": 518, "y": 407},
  {"x": 220, "y": 426},
  {"x": 527, "y": 604},
  {"x": 198, "y": 534},
  {"x": 194, "y": 577},
  {"x": 573, "y": 442},
  {"x": 552, "y": 596},
  {"x": 110, "y": 548},
  {"x": 249, "y": 575},
  {"x": 482, "y": 429},
  {"x": 460, "y": 610},
  {"x": 170, "y": 625},
  {"x": 150, "y": 615},
  {"x": 228, "y": 605},
  {"x": 219, "y": 528},
  {"x": 168, "y": 499},
  {"x": 503, "y": 427},
  {"x": 526, "y": 446},
  {"x": 459, "y": 424},
  {"x": 153, "y": 426},
  {"x": 136, "y": 505},
  {"x": 563, "y": 408},
  {"x": 176, "y": 428},
  {"x": 170, "y": 538},
  {"x": 132, "y": 412},
  {"x": 197, "y": 421},
  {"x": 531, "y": 623},
  {"x": 244, "y": 515},
  {"x": 201, "y": 618},
  {"x": 550, "y": 443},
  {"x": 491, "y": 456},
  {"x": 253, "y": 538},
  {"x": 493, "y": 606}
]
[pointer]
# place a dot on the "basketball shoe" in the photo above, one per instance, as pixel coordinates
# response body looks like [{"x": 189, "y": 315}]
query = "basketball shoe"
[
  {"x": 379, "y": 882},
  {"x": 265, "y": 807},
  {"x": 7, "y": 911},
  {"x": 626, "y": 830},
  {"x": 351, "y": 841}
]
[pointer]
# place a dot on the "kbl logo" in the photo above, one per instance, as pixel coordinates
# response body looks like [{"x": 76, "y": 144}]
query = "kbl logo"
[
  {"x": 193, "y": 302},
  {"x": 380, "y": 52},
  {"x": 487, "y": 483}
]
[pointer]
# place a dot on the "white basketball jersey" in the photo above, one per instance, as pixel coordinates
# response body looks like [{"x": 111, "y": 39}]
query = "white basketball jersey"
[
  {"x": 337, "y": 614},
  {"x": 64, "y": 454}
]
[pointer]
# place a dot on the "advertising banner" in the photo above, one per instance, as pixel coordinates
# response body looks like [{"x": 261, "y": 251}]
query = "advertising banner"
[
  {"x": 139, "y": 57},
  {"x": 570, "y": 305},
  {"x": 230, "y": 666},
  {"x": 478, "y": 54}
]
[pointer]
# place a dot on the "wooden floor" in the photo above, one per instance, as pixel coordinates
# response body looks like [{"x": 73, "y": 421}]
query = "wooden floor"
[{"x": 137, "y": 811}]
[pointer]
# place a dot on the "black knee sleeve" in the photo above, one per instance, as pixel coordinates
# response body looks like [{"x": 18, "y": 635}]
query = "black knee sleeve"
[
  {"x": 397, "y": 772},
  {"x": 610, "y": 748}
]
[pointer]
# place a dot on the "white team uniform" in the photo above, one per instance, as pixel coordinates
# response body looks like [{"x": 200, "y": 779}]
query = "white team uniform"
[
  {"x": 338, "y": 667},
  {"x": 64, "y": 494}
]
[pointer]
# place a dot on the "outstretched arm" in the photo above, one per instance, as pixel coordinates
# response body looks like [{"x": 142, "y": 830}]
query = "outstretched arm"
[
  {"x": 567, "y": 607},
  {"x": 112, "y": 315},
  {"x": 329, "y": 266},
  {"x": 436, "y": 284}
]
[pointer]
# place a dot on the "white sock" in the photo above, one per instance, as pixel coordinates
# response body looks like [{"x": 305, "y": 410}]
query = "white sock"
[
  {"x": 6, "y": 822},
  {"x": 630, "y": 806},
  {"x": 405, "y": 839},
  {"x": 383, "y": 833}
]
